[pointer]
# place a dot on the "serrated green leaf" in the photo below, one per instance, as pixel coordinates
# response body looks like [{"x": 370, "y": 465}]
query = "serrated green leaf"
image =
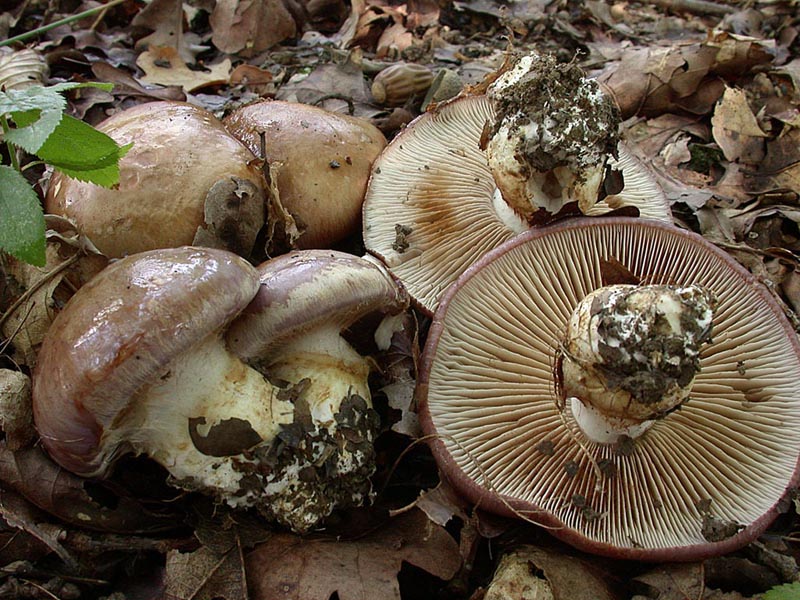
[
  {"x": 21, "y": 218},
  {"x": 73, "y": 85},
  {"x": 77, "y": 146},
  {"x": 107, "y": 177},
  {"x": 36, "y": 112},
  {"x": 789, "y": 591}
]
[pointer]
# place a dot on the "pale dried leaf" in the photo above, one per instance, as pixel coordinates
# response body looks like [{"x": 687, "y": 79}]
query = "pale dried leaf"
[
  {"x": 164, "y": 66},
  {"x": 248, "y": 27},
  {"x": 736, "y": 129},
  {"x": 205, "y": 575}
]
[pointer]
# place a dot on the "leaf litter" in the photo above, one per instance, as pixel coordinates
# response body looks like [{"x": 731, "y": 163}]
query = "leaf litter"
[{"x": 711, "y": 94}]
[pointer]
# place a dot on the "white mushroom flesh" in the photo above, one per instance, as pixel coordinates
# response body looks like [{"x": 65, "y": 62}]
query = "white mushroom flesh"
[
  {"x": 554, "y": 133},
  {"x": 632, "y": 352}
]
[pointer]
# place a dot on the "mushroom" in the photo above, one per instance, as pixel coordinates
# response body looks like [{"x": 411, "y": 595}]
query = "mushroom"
[
  {"x": 651, "y": 419},
  {"x": 433, "y": 206},
  {"x": 291, "y": 332},
  {"x": 186, "y": 180},
  {"x": 137, "y": 362},
  {"x": 552, "y": 135},
  {"x": 319, "y": 162}
]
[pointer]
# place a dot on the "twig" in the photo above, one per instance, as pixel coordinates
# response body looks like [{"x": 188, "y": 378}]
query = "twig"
[
  {"x": 65, "y": 21},
  {"x": 697, "y": 7}
]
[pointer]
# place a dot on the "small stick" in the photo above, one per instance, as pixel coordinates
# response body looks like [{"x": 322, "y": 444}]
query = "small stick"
[
  {"x": 65, "y": 21},
  {"x": 698, "y": 7}
]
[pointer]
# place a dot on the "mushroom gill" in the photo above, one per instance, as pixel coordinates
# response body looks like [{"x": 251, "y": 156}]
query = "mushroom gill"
[{"x": 702, "y": 480}]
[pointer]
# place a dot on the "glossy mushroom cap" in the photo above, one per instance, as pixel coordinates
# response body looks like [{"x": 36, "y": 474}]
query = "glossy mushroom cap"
[
  {"x": 433, "y": 208},
  {"x": 319, "y": 161},
  {"x": 117, "y": 334},
  {"x": 185, "y": 181},
  {"x": 309, "y": 289},
  {"x": 700, "y": 481}
]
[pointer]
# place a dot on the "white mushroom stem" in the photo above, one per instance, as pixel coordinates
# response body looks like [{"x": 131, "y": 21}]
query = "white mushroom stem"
[
  {"x": 631, "y": 355},
  {"x": 333, "y": 369},
  {"x": 552, "y": 138},
  {"x": 205, "y": 388}
]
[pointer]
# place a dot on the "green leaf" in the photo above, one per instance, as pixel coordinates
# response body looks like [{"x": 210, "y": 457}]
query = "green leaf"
[
  {"x": 82, "y": 152},
  {"x": 21, "y": 218},
  {"x": 36, "y": 112},
  {"x": 789, "y": 591}
]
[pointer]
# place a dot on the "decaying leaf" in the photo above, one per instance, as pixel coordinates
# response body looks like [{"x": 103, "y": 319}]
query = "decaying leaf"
[
  {"x": 16, "y": 413},
  {"x": 681, "y": 77},
  {"x": 530, "y": 570},
  {"x": 216, "y": 569},
  {"x": 736, "y": 129},
  {"x": 359, "y": 569},
  {"x": 164, "y": 66},
  {"x": 247, "y": 27},
  {"x": 30, "y": 473},
  {"x": 205, "y": 575}
]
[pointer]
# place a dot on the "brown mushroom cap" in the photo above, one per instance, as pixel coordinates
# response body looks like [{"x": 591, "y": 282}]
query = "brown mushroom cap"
[
  {"x": 323, "y": 161},
  {"x": 701, "y": 481},
  {"x": 432, "y": 207},
  {"x": 185, "y": 181},
  {"x": 306, "y": 289},
  {"x": 119, "y": 331}
]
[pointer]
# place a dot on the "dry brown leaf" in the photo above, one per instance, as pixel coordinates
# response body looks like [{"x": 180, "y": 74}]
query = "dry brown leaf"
[
  {"x": 360, "y": 569},
  {"x": 248, "y": 27},
  {"x": 165, "y": 18},
  {"x": 567, "y": 577},
  {"x": 442, "y": 503},
  {"x": 39, "y": 480},
  {"x": 125, "y": 84},
  {"x": 655, "y": 79},
  {"x": 36, "y": 294},
  {"x": 164, "y": 66},
  {"x": 16, "y": 410},
  {"x": 205, "y": 575},
  {"x": 736, "y": 130}
]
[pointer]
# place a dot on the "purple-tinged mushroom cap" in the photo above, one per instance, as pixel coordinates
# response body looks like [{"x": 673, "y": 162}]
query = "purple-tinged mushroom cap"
[{"x": 120, "y": 333}]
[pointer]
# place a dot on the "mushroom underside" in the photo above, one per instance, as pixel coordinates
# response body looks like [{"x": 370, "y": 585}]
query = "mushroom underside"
[
  {"x": 702, "y": 480},
  {"x": 432, "y": 206}
]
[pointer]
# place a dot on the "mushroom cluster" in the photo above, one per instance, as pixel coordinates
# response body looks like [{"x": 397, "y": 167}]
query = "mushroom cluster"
[
  {"x": 235, "y": 379},
  {"x": 444, "y": 192},
  {"x": 185, "y": 180},
  {"x": 622, "y": 381}
]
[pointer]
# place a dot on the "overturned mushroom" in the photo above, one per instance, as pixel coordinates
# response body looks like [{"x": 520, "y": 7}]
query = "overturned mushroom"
[
  {"x": 319, "y": 162},
  {"x": 186, "y": 180},
  {"x": 552, "y": 136},
  {"x": 653, "y": 418},
  {"x": 433, "y": 205},
  {"x": 137, "y": 362}
]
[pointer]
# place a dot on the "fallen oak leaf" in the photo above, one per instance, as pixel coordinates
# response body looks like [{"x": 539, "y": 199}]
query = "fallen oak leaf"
[
  {"x": 164, "y": 66},
  {"x": 360, "y": 569},
  {"x": 30, "y": 473}
]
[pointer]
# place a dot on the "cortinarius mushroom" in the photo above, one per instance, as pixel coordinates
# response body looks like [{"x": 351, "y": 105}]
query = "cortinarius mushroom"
[
  {"x": 622, "y": 381},
  {"x": 137, "y": 362},
  {"x": 319, "y": 162},
  {"x": 433, "y": 205},
  {"x": 186, "y": 180},
  {"x": 552, "y": 136}
]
